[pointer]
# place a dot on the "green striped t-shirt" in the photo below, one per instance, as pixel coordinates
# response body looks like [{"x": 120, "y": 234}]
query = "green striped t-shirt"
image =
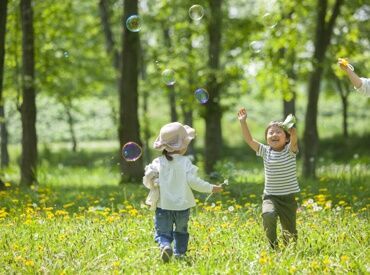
[{"x": 280, "y": 170}]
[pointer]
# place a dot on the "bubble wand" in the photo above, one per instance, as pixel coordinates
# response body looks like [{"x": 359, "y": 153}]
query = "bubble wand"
[
  {"x": 289, "y": 122},
  {"x": 226, "y": 182},
  {"x": 344, "y": 62}
]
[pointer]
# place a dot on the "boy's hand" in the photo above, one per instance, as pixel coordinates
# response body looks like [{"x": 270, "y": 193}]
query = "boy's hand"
[
  {"x": 216, "y": 188},
  {"x": 242, "y": 114}
]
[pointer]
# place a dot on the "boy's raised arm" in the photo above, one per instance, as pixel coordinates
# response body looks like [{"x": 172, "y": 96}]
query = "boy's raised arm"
[
  {"x": 242, "y": 116},
  {"x": 293, "y": 140}
]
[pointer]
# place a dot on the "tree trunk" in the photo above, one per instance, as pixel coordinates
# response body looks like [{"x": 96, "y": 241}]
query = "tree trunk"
[
  {"x": 172, "y": 101},
  {"x": 4, "y": 134},
  {"x": 70, "y": 121},
  {"x": 322, "y": 40},
  {"x": 213, "y": 112},
  {"x": 187, "y": 110},
  {"x": 289, "y": 106},
  {"x": 129, "y": 128},
  {"x": 146, "y": 119},
  {"x": 343, "y": 93},
  {"x": 28, "y": 107},
  {"x": 345, "y": 114},
  {"x": 4, "y": 139},
  {"x": 170, "y": 88},
  {"x": 109, "y": 39}
]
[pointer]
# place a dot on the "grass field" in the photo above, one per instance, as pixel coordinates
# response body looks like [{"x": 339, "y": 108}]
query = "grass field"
[{"x": 79, "y": 220}]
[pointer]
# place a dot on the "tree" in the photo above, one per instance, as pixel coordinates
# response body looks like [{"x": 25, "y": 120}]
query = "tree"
[
  {"x": 322, "y": 41},
  {"x": 129, "y": 128},
  {"x": 4, "y": 135},
  {"x": 213, "y": 113},
  {"x": 28, "y": 107}
]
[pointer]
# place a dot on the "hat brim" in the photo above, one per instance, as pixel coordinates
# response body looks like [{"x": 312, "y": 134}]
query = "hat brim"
[{"x": 180, "y": 145}]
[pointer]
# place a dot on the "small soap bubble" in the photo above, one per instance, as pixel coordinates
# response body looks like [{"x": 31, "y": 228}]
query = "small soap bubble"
[
  {"x": 168, "y": 77},
  {"x": 133, "y": 23},
  {"x": 196, "y": 12},
  {"x": 269, "y": 20},
  {"x": 201, "y": 95},
  {"x": 256, "y": 46},
  {"x": 131, "y": 151}
]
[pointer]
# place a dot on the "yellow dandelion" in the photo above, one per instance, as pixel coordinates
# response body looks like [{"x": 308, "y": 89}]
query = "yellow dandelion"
[
  {"x": 61, "y": 213},
  {"x": 344, "y": 259},
  {"x": 252, "y": 196},
  {"x": 326, "y": 261},
  {"x": 67, "y": 205},
  {"x": 133, "y": 212},
  {"x": 49, "y": 215},
  {"x": 7, "y": 184},
  {"x": 314, "y": 264},
  {"x": 264, "y": 258}
]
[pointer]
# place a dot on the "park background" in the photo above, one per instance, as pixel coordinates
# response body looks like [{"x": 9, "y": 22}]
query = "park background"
[{"x": 76, "y": 85}]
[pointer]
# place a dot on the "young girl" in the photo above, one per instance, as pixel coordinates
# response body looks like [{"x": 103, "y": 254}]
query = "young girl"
[
  {"x": 281, "y": 185},
  {"x": 171, "y": 179}
]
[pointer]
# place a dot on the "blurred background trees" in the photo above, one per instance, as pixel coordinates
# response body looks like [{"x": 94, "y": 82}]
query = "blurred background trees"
[{"x": 88, "y": 78}]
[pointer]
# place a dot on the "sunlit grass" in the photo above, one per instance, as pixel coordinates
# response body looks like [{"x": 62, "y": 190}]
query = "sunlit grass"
[{"x": 80, "y": 220}]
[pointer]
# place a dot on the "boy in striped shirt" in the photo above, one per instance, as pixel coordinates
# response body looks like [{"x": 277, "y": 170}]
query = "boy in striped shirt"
[{"x": 281, "y": 184}]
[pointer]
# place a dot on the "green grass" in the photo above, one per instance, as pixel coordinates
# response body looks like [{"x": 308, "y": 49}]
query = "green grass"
[
  {"x": 79, "y": 220},
  {"x": 105, "y": 229}
]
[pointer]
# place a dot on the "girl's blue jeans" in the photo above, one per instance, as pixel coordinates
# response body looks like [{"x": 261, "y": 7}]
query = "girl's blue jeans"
[{"x": 172, "y": 225}]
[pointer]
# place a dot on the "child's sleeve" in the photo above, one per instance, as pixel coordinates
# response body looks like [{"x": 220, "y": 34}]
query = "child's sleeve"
[
  {"x": 151, "y": 174},
  {"x": 194, "y": 181},
  {"x": 150, "y": 180},
  {"x": 262, "y": 149},
  {"x": 365, "y": 87}
]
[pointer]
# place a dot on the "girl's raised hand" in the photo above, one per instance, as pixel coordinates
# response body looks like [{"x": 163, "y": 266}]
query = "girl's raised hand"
[
  {"x": 242, "y": 114},
  {"x": 216, "y": 188}
]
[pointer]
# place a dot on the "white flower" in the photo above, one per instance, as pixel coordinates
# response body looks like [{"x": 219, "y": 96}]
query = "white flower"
[{"x": 231, "y": 208}]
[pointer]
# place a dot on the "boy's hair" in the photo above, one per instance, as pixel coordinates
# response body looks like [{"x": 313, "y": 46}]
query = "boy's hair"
[
  {"x": 167, "y": 155},
  {"x": 278, "y": 124}
]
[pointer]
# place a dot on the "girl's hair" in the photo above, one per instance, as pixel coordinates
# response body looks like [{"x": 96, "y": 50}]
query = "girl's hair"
[
  {"x": 278, "y": 124},
  {"x": 167, "y": 155}
]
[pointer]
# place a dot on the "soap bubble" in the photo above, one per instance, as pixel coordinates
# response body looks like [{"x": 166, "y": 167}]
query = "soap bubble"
[
  {"x": 269, "y": 20},
  {"x": 168, "y": 77},
  {"x": 201, "y": 95},
  {"x": 196, "y": 12},
  {"x": 256, "y": 46},
  {"x": 131, "y": 151},
  {"x": 133, "y": 23}
]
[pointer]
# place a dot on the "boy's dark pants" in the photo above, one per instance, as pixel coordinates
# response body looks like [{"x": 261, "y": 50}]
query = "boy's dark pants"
[{"x": 284, "y": 207}]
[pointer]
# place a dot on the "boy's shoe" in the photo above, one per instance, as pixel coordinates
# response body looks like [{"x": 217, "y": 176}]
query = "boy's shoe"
[{"x": 166, "y": 254}]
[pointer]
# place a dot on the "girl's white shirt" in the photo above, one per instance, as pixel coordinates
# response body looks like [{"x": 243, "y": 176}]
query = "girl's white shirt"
[
  {"x": 175, "y": 181},
  {"x": 365, "y": 87}
]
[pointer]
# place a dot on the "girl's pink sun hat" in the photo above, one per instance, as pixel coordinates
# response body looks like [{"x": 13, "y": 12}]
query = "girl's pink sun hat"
[{"x": 174, "y": 137}]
